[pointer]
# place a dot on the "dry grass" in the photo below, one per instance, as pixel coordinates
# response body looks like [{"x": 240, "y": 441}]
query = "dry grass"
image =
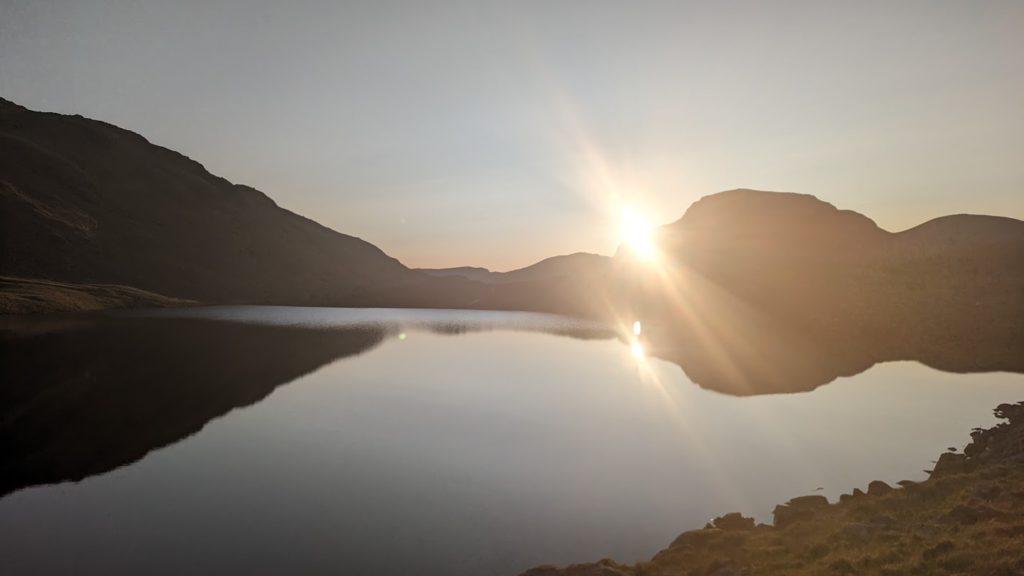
[
  {"x": 969, "y": 523},
  {"x": 29, "y": 296}
]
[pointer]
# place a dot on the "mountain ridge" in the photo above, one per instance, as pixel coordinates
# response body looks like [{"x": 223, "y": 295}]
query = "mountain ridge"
[
  {"x": 86, "y": 201},
  {"x": 562, "y": 265}
]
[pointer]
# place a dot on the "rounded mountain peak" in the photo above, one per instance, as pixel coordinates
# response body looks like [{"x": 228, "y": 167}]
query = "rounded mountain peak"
[{"x": 756, "y": 221}]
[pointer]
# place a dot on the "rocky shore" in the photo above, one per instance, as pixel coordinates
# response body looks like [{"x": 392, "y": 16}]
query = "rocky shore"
[{"x": 967, "y": 518}]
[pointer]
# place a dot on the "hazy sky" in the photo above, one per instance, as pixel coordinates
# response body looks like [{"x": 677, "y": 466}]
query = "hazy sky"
[{"x": 499, "y": 134}]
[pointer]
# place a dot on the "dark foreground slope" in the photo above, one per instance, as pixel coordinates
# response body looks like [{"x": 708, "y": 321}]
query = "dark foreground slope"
[
  {"x": 758, "y": 292},
  {"x": 967, "y": 518},
  {"x": 26, "y": 295},
  {"x": 82, "y": 201}
]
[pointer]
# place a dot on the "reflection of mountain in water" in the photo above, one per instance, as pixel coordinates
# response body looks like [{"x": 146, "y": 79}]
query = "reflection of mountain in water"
[
  {"x": 87, "y": 395},
  {"x": 86, "y": 398},
  {"x": 740, "y": 351},
  {"x": 91, "y": 394}
]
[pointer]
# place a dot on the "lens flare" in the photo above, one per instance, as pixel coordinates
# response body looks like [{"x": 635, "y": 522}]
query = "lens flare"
[{"x": 637, "y": 233}]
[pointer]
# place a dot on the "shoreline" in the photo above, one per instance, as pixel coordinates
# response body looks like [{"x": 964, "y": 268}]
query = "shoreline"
[
  {"x": 35, "y": 296},
  {"x": 966, "y": 518}
]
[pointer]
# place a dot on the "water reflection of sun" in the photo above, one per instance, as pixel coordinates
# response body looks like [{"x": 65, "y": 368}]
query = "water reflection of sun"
[{"x": 637, "y": 349}]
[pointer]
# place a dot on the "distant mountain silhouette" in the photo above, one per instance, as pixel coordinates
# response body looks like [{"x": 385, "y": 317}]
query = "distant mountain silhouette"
[
  {"x": 474, "y": 273},
  {"x": 748, "y": 279},
  {"x": 571, "y": 266}
]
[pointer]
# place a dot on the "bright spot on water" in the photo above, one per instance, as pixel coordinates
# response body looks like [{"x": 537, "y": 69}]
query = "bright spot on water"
[{"x": 637, "y": 349}]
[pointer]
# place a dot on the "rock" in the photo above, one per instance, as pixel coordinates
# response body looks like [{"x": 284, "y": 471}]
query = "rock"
[
  {"x": 1010, "y": 412},
  {"x": 978, "y": 443},
  {"x": 732, "y": 522},
  {"x": 697, "y": 538},
  {"x": 798, "y": 509},
  {"x": 544, "y": 571},
  {"x": 950, "y": 463},
  {"x": 878, "y": 488},
  {"x": 911, "y": 487},
  {"x": 814, "y": 501},
  {"x": 1004, "y": 442},
  {"x": 602, "y": 568}
]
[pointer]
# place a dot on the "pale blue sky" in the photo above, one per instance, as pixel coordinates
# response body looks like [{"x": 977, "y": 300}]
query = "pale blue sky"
[{"x": 496, "y": 134}]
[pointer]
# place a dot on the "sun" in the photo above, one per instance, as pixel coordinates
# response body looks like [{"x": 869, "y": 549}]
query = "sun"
[{"x": 637, "y": 233}]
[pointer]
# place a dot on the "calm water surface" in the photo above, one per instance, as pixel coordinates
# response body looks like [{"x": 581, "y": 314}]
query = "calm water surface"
[{"x": 476, "y": 443}]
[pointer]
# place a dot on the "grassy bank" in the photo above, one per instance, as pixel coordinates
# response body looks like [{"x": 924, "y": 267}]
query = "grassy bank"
[
  {"x": 967, "y": 518},
  {"x": 33, "y": 296}
]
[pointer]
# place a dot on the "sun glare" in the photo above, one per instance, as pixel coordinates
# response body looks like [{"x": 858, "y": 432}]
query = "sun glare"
[
  {"x": 637, "y": 349},
  {"x": 637, "y": 233}
]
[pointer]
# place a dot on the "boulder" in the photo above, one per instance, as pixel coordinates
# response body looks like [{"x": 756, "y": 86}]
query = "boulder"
[
  {"x": 697, "y": 538},
  {"x": 806, "y": 502},
  {"x": 950, "y": 463},
  {"x": 603, "y": 568},
  {"x": 798, "y": 509},
  {"x": 879, "y": 488},
  {"x": 733, "y": 521}
]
